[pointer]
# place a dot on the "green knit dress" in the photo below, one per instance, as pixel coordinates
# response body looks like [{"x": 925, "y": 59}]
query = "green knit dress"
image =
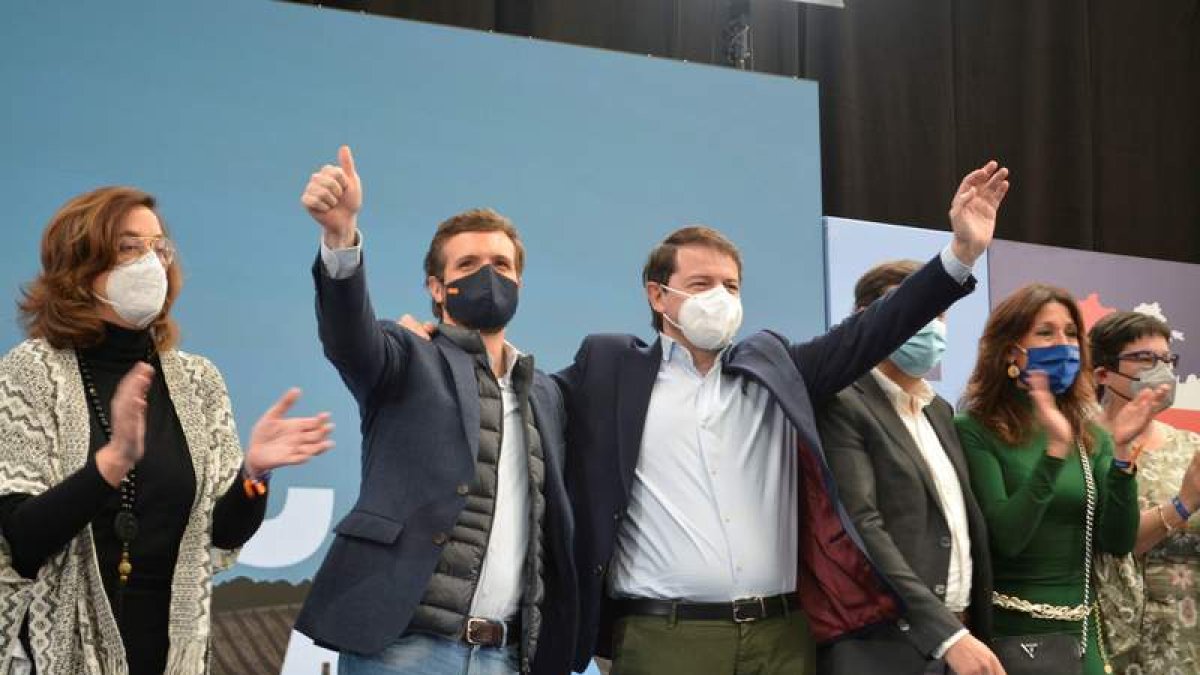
[{"x": 1034, "y": 506}]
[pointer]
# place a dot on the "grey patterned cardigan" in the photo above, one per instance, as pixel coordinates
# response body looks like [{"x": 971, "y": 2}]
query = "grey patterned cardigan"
[{"x": 44, "y": 437}]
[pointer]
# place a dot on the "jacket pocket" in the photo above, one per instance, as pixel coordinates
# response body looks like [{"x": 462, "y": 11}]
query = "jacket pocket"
[{"x": 364, "y": 525}]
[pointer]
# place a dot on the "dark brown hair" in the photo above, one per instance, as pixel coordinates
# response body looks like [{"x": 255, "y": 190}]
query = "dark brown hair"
[
  {"x": 992, "y": 396},
  {"x": 663, "y": 259},
  {"x": 1112, "y": 333},
  {"x": 80, "y": 244},
  {"x": 475, "y": 220},
  {"x": 876, "y": 281}
]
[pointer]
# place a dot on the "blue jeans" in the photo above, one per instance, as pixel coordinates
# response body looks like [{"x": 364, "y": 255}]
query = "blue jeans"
[{"x": 419, "y": 654}]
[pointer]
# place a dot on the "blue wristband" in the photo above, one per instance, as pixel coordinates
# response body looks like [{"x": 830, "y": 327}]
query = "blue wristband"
[
  {"x": 1180, "y": 508},
  {"x": 1122, "y": 464}
]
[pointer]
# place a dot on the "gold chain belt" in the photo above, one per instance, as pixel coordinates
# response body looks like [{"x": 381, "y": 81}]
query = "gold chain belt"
[{"x": 1040, "y": 610}]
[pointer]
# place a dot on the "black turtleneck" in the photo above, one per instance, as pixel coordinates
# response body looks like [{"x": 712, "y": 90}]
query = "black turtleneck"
[{"x": 37, "y": 527}]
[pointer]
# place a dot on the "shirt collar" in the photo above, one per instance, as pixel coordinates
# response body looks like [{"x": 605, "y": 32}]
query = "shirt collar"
[
  {"x": 901, "y": 398},
  {"x": 671, "y": 349},
  {"x": 511, "y": 355}
]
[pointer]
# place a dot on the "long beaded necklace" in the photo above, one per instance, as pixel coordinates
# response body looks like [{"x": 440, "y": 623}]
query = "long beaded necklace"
[{"x": 125, "y": 523}]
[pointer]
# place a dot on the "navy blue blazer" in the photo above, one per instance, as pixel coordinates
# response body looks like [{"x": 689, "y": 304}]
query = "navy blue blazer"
[
  {"x": 607, "y": 391},
  {"x": 419, "y": 406}
]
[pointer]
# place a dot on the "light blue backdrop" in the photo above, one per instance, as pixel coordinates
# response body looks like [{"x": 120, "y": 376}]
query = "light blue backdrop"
[{"x": 223, "y": 108}]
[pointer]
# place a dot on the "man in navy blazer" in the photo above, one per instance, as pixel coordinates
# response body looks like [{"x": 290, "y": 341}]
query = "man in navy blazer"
[
  {"x": 456, "y": 555},
  {"x": 703, "y": 499}
]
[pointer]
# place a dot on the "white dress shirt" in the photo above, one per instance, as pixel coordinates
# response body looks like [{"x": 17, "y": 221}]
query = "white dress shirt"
[
  {"x": 712, "y": 512},
  {"x": 911, "y": 409},
  {"x": 498, "y": 593}
]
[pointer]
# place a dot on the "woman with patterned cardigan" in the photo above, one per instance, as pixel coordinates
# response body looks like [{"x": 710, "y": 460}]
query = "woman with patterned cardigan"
[{"x": 123, "y": 487}]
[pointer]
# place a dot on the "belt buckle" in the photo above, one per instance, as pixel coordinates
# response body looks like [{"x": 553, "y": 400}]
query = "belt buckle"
[
  {"x": 738, "y": 617},
  {"x": 473, "y": 623}
]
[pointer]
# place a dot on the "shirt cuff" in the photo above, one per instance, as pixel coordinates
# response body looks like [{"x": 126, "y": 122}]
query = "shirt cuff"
[
  {"x": 955, "y": 267},
  {"x": 342, "y": 263},
  {"x": 945, "y": 646}
]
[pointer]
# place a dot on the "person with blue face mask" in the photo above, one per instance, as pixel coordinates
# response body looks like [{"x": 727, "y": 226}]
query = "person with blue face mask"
[
  {"x": 1054, "y": 486},
  {"x": 1140, "y": 597},
  {"x": 902, "y": 477}
]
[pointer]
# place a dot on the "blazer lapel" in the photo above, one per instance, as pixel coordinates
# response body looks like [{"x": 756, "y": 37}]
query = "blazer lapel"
[
  {"x": 943, "y": 425},
  {"x": 462, "y": 370},
  {"x": 635, "y": 381},
  {"x": 881, "y": 408}
]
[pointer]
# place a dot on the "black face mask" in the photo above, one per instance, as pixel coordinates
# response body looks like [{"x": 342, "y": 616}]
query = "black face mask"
[{"x": 483, "y": 300}]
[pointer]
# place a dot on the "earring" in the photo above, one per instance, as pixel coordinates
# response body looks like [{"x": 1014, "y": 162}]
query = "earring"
[{"x": 1013, "y": 371}]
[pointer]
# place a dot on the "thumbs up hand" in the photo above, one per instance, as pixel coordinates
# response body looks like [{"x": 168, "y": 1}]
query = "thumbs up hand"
[{"x": 333, "y": 197}]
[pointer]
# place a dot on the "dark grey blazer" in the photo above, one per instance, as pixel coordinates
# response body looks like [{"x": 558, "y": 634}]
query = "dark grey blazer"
[
  {"x": 419, "y": 405},
  {"x": 887, "y": 488}
]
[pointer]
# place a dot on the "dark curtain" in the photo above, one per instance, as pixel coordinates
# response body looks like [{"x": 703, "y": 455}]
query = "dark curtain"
[{"x": 1093, "y": 104}]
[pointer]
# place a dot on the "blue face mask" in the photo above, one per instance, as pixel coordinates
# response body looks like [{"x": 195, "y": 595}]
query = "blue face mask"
[
  {"x": 1060, "y": 363},
  {"x": 923, "y": 351}
]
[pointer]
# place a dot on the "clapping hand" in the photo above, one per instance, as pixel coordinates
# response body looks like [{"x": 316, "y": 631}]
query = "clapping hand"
[
  {"x": 1058, "y": 430},
  {"x": 277, "y": 440}
]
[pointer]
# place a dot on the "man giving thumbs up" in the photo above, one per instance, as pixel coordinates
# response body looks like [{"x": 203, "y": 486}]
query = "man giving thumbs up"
[{"x": 456, "y": 556}]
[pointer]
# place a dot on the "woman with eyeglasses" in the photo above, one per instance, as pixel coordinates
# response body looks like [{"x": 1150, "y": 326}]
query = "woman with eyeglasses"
[
  {"x": 1043, "y": 472},
  {"x": 1148, "y": 600},
  {"x": 123, "y": 486}
]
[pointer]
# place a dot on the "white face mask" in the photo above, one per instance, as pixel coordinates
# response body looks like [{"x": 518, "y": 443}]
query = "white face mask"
[
  {"x": 137, "y": 290},
  {"x": 710, "y": 319}
]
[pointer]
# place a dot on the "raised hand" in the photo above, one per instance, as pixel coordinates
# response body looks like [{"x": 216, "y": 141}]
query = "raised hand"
[
  {"x": 278, "y": 441},
  {"x": 128, "y": 412},
  {"x": 1134, "y": 417},
  {"x": 973, "y": 210},
  {"x": 333, "y": 198},
  {"x": 1059, "y": 434}
]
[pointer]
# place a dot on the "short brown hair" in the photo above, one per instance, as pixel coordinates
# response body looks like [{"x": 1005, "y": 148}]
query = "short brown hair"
[
  {"x": 1112, "y": 333},
  {"x": 664, "y": 258},
  {"x": 876, "y": 281},
  {"x": 475, "y": 220},
  {"x": 78, "y": 245},
  {"x": 991, "y": 395}
]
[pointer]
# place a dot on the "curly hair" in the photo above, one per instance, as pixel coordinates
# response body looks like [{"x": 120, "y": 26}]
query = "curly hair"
[{"x": 78, "y": 245}]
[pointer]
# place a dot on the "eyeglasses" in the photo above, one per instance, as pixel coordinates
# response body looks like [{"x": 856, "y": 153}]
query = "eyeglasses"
[
  {"x": 1148, "y": 359},
  {"x": 130, "y": 248}
]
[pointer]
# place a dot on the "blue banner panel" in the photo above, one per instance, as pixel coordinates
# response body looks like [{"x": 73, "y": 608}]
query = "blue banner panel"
[{"x": 222, "y": 109}]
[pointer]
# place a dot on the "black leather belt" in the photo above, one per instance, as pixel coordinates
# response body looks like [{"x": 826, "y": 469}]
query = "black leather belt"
[
  {"x": 487, "y": 633},
  {"x": 742, "y": 610}
]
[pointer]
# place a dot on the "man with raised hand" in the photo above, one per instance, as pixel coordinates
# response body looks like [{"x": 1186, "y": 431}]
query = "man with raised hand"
[
  {"x": 709, "y": 527},
  {"x": 456, "y": 556}
]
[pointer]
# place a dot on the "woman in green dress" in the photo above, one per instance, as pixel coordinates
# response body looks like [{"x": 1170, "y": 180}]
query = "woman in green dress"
[
  {"x": 1023, "y": 427},
  {"x": 1148, "y": 599}
]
